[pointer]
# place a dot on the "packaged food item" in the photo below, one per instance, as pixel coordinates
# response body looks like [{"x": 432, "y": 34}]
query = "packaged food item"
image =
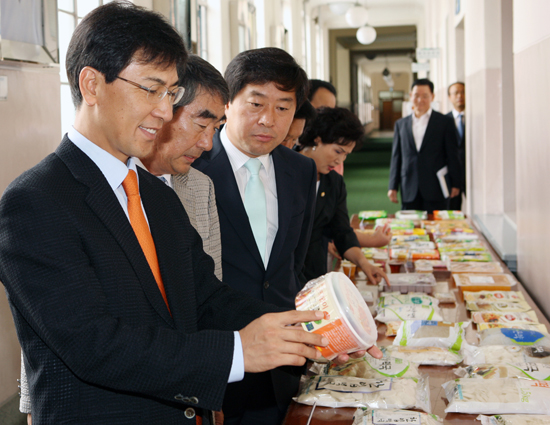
[
  {"x": 514, "y": 420},
  {"x": 500, "y": 395},
  {"x": 448, "y": 215},
  {"x": 428, "y": 333},
  {"x": 375, "y": 253},
  {"x": 428, "y": 266},
  {"x": 505, "y": 318},
  {"x": 411, "y": 282},
  {"x": 348, "y": 323},
  {"x": 393, "y": 327},
  {"x": 438, "y": 225},
  {"x": 445, "y": 297},
  {"x": 407, "y": 232},
  {"x": 411, "y": 215},
  {"x": 372, "y": 214},
  {"x": 419, "y": 245},
  {"x": 533, "y": 327},
  {"x": 493, "y": 296},
  {"x": 468, "y": 256},
  {"x": 508, "y": 336},
  {"x": 475, "y": 245},
  {"x": 535, "y": 371},
  {"x": 497, "y": 306},
  {"x": 367, "y": 416},
  {"x": 370, "y": 368},
  {"x": 498, "y": 354},
  {"x": 401, "y": 239},
  {"x": 424, "y": 254},
  {"x": 399, "y": 252},
  {"x": 394, "y": 223},
  {"x": 435, "y": 356},
  {"x": 474, "y": 282},
  {"x": 397, "y": 298},
  {"x": 491, "y": 267},
  {"x": 348, "y": 391},
  {"x": 409, "y": 312},
  {"x": 456, "y": 237}
]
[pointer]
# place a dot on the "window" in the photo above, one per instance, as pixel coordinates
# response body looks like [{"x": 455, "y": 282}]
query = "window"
[
  {"x": 202, "y": 30},
  {"x": 247, "y": 25}
]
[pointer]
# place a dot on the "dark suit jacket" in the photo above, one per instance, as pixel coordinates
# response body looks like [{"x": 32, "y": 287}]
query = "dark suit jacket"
[
  {"x": 461, "y": 151},
  {"x": 414, "y": 171},
  {"x": 99, "y": 344},
  {"x": 332, "y": 221},
  {"x": 242, "y": 265}
]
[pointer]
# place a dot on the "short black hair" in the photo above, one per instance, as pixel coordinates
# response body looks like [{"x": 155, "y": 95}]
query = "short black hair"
[
  {"x": 198, "y": 74},
  {"x": 423, "y": 82},
  {"x": 450, "y": 85},
  {"x": 306, "y": 112},
  {"x": 315, "y": 85},
  {"x": 109, "y": 36},
  {"x": 334, "y": 125},
  {"x": 263, "y": 66}
]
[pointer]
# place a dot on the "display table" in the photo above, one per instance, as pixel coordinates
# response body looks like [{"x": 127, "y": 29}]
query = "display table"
[{"x": 299, "y": 414}]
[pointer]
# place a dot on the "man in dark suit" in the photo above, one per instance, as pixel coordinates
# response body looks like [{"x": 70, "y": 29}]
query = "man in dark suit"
[
  {"x": 457, "y": 97},
  {"x": 424, "y": 161},
  {"x": 264, "y": 260},
  {"x": 119, "y": 315}
]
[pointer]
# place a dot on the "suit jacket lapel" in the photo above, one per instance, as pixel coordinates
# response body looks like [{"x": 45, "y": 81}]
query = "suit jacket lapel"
[
  {"x": 283, "y": 179},
  {"x": 105, "y": 205},
  {"x": 409, "y": 130},
  {"x": 228, "y": 197}
]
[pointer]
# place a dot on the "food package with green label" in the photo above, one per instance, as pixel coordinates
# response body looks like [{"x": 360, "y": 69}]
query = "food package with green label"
[
  {"x": 514, "y": 420},
  {"x": 429, "y": 333},
  {"x": 498, "y": 396},
  {"x": 536, "y": 371},
  {"x": 409, "y": 312},
  {"x": 367, "y": 416},
  {"x": 388, "y": 299},
  {"x": 372, "y": 214},
  {"x": 411, "y": 215},
  {"x": 348, "y": 391},
  {"x": 511, "y": 336},
  {"x": 434, "y": 356},
  {"x": 370, "y": 368}
]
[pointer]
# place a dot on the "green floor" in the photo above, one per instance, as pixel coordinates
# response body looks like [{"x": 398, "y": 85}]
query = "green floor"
[{"x": 366, "y": 174}]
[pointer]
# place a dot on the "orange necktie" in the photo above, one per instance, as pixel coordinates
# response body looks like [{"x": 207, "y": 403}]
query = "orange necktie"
[{"x": 141, "y": 228}]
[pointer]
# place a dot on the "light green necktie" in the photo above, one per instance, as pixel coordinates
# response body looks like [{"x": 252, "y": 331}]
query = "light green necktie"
[{"x": 255, "y": 205}]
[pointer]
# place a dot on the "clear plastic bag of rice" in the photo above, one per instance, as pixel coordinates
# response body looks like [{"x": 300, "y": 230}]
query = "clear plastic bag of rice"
[
  {"x": 510, "y": 336},
  {"x": 514, "y": 420},
  {"x": 348, "y": 391},
  {"x": 498, "y": 396},
  {"x": 368, "y": 416},
  {"x": 435, "y": 356},
  {"x": 409, "y": 312},
  {"x": 535, "y": 371},
  {"x": 428, "y": 333},
  {"x": 497, "y": 354},
  {"x": 388, "y": 299},
  {"x": 370, "y": 368}
]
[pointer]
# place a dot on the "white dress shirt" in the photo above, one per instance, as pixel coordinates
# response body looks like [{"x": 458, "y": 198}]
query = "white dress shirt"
[
  {"x": 458, "y": 116},
  {"x": 115, "y": 171},
  {"x": 419, "y": 126},
  {"x": 267, "y": 176}
]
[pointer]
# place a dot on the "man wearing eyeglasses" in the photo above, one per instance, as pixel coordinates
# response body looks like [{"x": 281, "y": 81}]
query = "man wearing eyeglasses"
[{"x": 119, "y": 315}]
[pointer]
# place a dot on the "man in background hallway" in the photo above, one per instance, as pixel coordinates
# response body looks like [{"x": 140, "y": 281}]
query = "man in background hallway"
[
  {"x": 424, "y": 144},
  {"x": 457, "y": 97}
]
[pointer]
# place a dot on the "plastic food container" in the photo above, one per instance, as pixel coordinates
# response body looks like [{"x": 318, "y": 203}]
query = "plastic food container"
[
  {"x": 348, "y": 323},
  {"x": 411, "y": 282},
  {"x": 484, "y": 282}
]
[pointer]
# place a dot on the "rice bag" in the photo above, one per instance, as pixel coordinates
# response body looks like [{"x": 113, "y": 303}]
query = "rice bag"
[
  {"x": 497, "y": 354},
  {"x": 500, "y": 395},
  {"x": 409, "y": 312},
  {"x": 516, "y": 306},
  {"x": 536, "y": 371},
  {"x": 514, "y": 420},
  {"x": 509, "y": 336},
  {"x": 388, "y": 299},
  {"x": 493, "y": 296},
  {"x": 504, "y": 318},
  {"x": 370, "y": 368},
  {"x": 533, "y": 327},
  {"x": 435, "y": 356},
  {"x": 367, "y": 416},
  {"x": 428, "y": 333},
  {"x": 348, "y": 391}
]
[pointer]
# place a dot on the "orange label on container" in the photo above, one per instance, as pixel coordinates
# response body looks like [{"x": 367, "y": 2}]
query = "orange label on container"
[{"x": 340, "y": 338}]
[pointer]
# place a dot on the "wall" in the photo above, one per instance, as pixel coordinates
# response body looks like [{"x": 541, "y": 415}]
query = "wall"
[
  {"x": 31, "y": 124},
  {"x": 532, "y": 91}
]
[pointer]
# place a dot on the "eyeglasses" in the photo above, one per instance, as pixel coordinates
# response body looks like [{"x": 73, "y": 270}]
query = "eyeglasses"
[{"x": 157, "y": 92}]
